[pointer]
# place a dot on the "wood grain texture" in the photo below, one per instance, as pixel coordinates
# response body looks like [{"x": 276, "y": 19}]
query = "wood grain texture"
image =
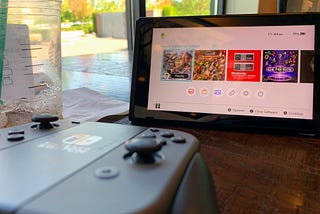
[
  {"x": 256, "y": 173},
  {"x": 261, "y": 173}
]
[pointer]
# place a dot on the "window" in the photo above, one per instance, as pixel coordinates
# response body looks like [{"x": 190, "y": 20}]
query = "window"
[{"x": 180, "y": 7}]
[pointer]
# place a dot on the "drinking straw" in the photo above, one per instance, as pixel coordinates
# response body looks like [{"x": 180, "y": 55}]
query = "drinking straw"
[{"x": 3, "y": 25}]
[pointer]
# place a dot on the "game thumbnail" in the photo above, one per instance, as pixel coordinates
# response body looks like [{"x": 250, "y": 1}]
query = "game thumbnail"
[
  {"x": 244, "y": 65},
  {"x": 209, "y": 65},
  {"x": 177, "y": 65},
  {"x": 280, "y": 66}
]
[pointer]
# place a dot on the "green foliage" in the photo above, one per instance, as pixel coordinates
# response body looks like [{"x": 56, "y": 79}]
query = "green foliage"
[
  {"x": 110, "y": 6},
  {"x": 88, "y": 28},
  {"x": 94, "y": 22},
  {"x": 169, "y": 8},
  {"x": 69, "y": 16},
  {"x": 73, "y": 27},
  {"x": 66, "y": 14},
  {"x": 169, "y": 11},
  {"x": 80, "y": 8},
  {"x": 149, "y": 5},
  {"x": 192, "y": 7},
  {"x": 180, "y": 7}
]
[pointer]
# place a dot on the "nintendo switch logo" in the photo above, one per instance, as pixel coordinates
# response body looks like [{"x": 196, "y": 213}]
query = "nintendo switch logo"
[
  {"x": 81, "y": 139},
  {"x": 77, "y": 144}
]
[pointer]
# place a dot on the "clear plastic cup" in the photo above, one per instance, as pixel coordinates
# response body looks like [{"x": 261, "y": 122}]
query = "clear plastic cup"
[{"x": 31, "y": 52}]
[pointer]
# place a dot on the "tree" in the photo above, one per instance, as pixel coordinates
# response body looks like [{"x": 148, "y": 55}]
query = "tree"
[
  {"x": 66, "y": 14},
  {"x": 81, "y": 9},
  {"x": 192, "y": 7},
  {"x": 157, "y": 4},
  {"x": 110, "y": 6},
  {"x": 180, "y": 7}
]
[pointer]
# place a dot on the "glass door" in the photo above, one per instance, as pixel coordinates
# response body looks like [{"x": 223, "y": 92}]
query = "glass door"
[{"x": 156, "y": 8}]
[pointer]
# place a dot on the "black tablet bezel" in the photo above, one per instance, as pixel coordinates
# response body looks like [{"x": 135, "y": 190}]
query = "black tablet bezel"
[{"x": 141, "y": 70}]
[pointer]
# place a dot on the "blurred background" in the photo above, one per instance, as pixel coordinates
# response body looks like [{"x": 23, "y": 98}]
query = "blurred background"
[{"x": 98, "y": 26}]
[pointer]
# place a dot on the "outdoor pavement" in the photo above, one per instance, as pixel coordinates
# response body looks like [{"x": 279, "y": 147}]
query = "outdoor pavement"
[
  {"x": 75, "y": 43},
  {"x": 100, "y": 64}
]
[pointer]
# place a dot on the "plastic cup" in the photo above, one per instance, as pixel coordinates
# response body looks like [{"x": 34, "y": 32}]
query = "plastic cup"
[{"x": 31, "y": 52}]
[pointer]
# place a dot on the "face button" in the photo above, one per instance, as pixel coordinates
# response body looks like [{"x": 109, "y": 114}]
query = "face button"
[
  {"x": 178, "y": 140},
  {"x": 167, "y": 134},
  {"x": 15, "y": 137}
]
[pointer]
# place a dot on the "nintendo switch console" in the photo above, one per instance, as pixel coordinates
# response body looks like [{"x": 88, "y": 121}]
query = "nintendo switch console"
[
  {"x": 253, "y": 72},
  {"x": 52, "y": 166}
]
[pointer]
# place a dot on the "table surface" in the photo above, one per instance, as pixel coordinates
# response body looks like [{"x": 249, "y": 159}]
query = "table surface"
[
  {"x": 260, "y": 173},
  {"x": 252, "y": 172}
]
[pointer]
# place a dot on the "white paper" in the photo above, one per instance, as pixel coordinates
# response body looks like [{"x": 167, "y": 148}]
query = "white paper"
[
  {"x": 84, "y": 104},
  {"x": 17, "y": 76}
]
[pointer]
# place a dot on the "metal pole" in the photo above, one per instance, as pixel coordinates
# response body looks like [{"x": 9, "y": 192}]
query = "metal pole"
[
  {"x": 129, "y": 24},
  {"x": 134, "y": 10},
  {"x": 282, "y": 4},
  {"x": 220, "y": 6}
]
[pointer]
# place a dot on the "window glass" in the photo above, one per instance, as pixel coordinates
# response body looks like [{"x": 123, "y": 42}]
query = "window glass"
[
  {"x": 241, "y": 7},
  {"x": 92, "y": 27},
  {"x": 178, "y": 7}
]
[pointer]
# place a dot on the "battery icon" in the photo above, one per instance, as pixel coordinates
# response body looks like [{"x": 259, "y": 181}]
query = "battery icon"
[{"x": 302, "y": 33}]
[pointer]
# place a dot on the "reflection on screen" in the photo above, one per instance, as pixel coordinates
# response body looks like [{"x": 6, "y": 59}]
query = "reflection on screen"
[{"x": 262, "y": 71}]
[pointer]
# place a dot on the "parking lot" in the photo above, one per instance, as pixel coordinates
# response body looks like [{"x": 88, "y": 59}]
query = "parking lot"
[{"x": 75, "y": 43}]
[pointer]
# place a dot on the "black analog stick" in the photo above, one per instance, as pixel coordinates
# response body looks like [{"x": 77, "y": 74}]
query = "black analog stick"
[
  {"x": 44, "y": 121},
  {"x": 144, "y": 148}
]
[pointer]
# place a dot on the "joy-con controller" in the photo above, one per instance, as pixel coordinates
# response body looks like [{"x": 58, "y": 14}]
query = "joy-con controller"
[{"x": 102, "y": 168}]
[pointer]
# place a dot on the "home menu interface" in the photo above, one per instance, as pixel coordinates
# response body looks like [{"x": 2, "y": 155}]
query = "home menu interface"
[{"x": 262, "y": 71}]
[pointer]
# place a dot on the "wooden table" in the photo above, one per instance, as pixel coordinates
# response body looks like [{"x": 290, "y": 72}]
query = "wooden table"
[{"x": 261, "y": 173}]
